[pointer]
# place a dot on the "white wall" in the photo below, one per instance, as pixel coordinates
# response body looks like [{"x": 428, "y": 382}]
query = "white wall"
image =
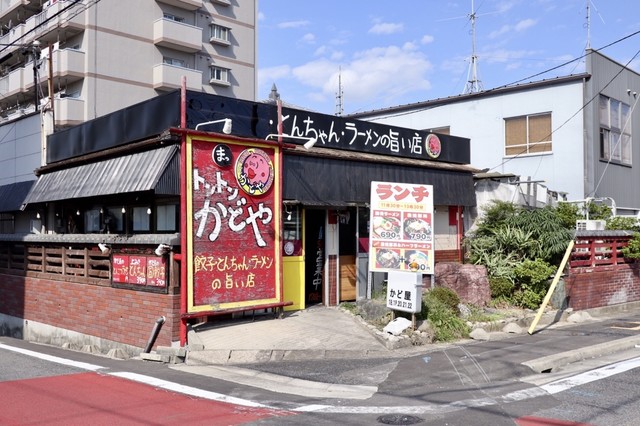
[{"x": 482, "y": 121}]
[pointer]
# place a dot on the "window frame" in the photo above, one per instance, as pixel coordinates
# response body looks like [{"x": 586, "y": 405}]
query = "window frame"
[
  {"x": 215, "y": 38},
  {"x": 615, "y": 131},
  {"x": 219, "y": 81},
  {"x": 527, "y": 147}
]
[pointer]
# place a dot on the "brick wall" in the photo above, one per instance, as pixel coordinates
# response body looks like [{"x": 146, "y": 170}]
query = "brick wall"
[
  {"x": 120, "y": 315},
  {"x": 602, "y": 286},
  {"x": 447, "y": 256}
]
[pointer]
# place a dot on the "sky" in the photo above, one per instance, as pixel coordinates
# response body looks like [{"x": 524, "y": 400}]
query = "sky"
[{"x": 390, "y": 53}]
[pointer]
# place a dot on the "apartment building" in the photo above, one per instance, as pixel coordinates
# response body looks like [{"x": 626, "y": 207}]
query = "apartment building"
[{"x": 93, "y": 57}]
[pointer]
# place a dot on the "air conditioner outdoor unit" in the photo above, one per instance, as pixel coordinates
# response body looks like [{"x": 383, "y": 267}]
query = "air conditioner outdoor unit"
[{"x": 591, "y": 225}]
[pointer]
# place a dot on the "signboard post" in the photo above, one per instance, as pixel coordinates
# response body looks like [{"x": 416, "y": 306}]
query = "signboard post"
[{"x": 233, "y": 216}]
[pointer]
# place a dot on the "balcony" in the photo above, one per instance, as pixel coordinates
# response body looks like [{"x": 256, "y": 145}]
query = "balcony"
[
  {"x": 177, "y": 36},
  {"x": 13, "y": 83},
  {"x": 69, "y": 111},
  {"x": 169, "y": 77},
  {"x": 183, "y": 4},
  {"x": 10, "y": 9}
]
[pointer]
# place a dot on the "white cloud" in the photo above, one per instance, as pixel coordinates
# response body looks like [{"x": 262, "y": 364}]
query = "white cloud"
[
  {"x": 309, "y": 38},
  {"x": 426, "y": 39},
  {"x": 386, "y": 28},
  {"x": 379, "y": 75},
  {"x": 525, "y": 24},
  {"x": 293, "y": 24},
  {"x": 267, "y": 76},
  {"x": 505, "y": 29}
]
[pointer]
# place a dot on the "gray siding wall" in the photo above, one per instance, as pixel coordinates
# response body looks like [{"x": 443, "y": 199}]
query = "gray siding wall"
[{"x": 622, "y": 183}]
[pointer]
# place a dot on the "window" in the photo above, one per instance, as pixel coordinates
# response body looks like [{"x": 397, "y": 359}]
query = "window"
[
  {"x": 141, "y": 220},
  {"x": 528, "y": 134},
  {"x": 219, "y": 76},
  {"x": 441, "y": 130},
  {"x": 219, "y": 34},
  {"x": 615, "y": 130},
  {"x": 173, "y": 17},
  {"x": 6, "y": 223},
  {"x": 173, "y": 61},
  {"x": 92, "y": 221},
  {"x": 166, "y": 218}
]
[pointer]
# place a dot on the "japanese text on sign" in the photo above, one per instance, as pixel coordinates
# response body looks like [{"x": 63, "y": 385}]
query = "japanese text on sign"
[{"x": 401, "y": 227}]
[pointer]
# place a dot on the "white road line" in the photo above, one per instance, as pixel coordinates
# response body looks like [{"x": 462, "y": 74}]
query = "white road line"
[
  {"x": 188, "y": 390},
  {"x": 51, "y": 358},
  {"x": 591, "y": 376}
]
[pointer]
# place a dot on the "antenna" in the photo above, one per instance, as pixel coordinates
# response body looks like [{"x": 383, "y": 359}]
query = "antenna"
[
  {"x": 588, "y": 24},
  {"x": 339, "y": 95},
  {"x": 473, "y": 83}
]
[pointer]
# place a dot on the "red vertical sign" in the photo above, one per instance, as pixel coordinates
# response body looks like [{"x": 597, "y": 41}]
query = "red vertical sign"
[{"x": 234, "y": 201}]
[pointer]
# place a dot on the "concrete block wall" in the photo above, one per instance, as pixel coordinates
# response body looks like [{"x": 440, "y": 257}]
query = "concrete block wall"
[{"x": 114, "y": 314}]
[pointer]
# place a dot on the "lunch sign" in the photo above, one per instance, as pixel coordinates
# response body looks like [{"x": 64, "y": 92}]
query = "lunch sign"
[{"x": 401, "y": 227}]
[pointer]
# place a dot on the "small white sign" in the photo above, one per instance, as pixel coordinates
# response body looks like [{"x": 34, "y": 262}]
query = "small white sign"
[{"x": 404, "y": 291}]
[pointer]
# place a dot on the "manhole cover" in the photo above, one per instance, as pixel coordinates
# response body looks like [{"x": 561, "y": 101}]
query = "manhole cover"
[{"x": 399, "y": 419}]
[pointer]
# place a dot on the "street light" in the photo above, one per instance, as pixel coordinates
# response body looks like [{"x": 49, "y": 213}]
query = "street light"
[{"x": 227, "y": 125}]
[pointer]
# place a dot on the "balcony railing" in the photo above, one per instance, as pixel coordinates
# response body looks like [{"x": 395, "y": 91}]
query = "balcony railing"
[
  {"x": 168, "y": 77},
  {"x": 177, "y": 36}
]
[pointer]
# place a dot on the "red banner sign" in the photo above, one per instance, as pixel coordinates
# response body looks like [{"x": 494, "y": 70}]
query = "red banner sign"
[
  {"x": 139, "y": 270},
  {"x": 233, "y": 216}
]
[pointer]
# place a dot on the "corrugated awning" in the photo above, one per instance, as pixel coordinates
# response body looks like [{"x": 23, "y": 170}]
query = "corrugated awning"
[
  {"x": 12, "y": 196},
  {"x": 157, "y": 170}
]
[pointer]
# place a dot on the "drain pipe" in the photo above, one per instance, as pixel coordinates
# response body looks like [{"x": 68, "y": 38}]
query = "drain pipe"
[{"x": 154, "y": 334}]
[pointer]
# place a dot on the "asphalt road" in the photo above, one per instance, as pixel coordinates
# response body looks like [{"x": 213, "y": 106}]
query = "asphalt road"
[{"x": 479, "y": 383}]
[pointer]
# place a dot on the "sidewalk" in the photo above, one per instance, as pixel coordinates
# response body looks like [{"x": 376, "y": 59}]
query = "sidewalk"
[{"x": 323, "y": 332}]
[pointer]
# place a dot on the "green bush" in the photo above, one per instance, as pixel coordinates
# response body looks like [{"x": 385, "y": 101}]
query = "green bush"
[
  {"x": 447, "y": 296},
  {"x": 527, "y": 298},
  {"x": 632, "y": 250},
  {"x": 501, "y": 287},
  {"x": 446, "y": 324},
  {"x": 623, "y": 223},
  {"x": 533, "y": 274}
]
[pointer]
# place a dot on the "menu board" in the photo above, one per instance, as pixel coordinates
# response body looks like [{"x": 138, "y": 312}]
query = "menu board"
[
  {"x": 139, "y": 270},
  {"x": 401, "y": 227}
]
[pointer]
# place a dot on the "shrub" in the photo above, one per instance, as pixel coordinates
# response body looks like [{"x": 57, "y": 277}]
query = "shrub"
[
  {"x": 533, "y": 274},
  {"x": 447, "y": 296},
  {"x": 632, "y": 250},
  {"x": 527, "y": 298},
  {"x": 446, "y": 324},
  {"x": 623, "y": 223},
  {"x": 501, "y": 287}
]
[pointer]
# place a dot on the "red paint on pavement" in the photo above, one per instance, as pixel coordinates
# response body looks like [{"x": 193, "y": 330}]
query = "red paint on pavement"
[
  {"x": 91, "y": 398},
  {"x": 540, "y": 421}
]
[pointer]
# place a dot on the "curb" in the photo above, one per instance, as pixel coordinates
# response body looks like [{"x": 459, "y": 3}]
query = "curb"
[
  {"x": 235, "y": 357},
  {"x": 548, "y": 363}
]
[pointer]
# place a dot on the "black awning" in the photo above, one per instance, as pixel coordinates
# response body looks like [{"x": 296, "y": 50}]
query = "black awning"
[
  {"x": 330, "y": 181},
  {"x": 156, "y": 170},
  {"x": 12, "y": 196}
]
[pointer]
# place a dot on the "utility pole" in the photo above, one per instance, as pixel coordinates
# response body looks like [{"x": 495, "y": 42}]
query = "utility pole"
[{"x": 34, "y": 49}]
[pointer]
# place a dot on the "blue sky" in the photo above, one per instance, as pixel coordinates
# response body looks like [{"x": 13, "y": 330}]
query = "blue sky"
[{"x": 391, "y": 53}]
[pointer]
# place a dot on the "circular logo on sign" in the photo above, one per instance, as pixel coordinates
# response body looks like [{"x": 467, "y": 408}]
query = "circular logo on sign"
[
  {"x": 288, "y": 248},
  {"x": 254, "y": 171},
  {"x": 221, "y": 155},
  {"x": 433, "y": 146}
]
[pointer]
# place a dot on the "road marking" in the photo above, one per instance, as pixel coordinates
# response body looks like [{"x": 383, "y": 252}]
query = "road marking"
[
  {"x": 591, "y": 376},
  {"x": 51, "y": 358},
  {"x": 187, "y": 390}
]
